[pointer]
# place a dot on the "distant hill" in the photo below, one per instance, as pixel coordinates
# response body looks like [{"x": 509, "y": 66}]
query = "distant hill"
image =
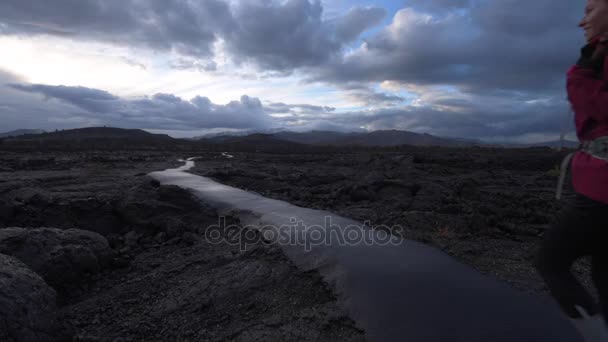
[
  {"x": 556, "y": 144},
  {"x": 21, "y": 132},
  {"x": 219, "y": 139},
  {"x": 91, "y": 133},
  {"x": 251, "y": 143},
  {"x": 94, "y": 137},
  {"x": 395, "y": 138},
  {"x": 219, "y": 135},
  {"x": 313, "y": 137},
  {"x": 258, "y": 138}
]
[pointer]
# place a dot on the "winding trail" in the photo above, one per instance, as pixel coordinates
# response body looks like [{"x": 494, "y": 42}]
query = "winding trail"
[{"x": 399, "y": 290}]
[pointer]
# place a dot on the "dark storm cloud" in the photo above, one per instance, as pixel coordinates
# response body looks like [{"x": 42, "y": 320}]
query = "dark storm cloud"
[
  {"x": 280, "y": 107},
  {"x": 507, "y": 44},
  {"x": 187, "y": 27},
  {"x": 527, "y": 19},
  {"x": 440, "y": 6},
  {"x": 356, "y": 21},
  {"x": 496, "y": 55},
  {"x": 273, "y": 35},
  {"x": 291, "y": 34},
  {"x": 548, "y": 119},
  {"x": 93, "y": 100},
  {"x": 372, "y": 98},
  {"x": 160, "y": 111},
  {"x": 20, "y": 109},
  {"x": 513, "y": 44}
]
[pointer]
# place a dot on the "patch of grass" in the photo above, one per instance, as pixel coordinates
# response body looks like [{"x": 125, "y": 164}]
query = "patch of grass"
[{"x": 554, "y": 172}]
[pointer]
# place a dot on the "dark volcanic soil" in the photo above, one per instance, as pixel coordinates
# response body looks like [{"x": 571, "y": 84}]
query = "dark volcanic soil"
[
  {"x": 168, "y": 283},
  {"x": 486, "y": 207}
]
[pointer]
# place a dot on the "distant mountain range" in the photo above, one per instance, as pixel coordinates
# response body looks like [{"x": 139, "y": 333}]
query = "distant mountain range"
[
  {"x": 383, "y": 138},
  {"x": 238, "y": 133},
  {"x": 21, "y": 132},
  {"x": 277, "y": 137},
  {"x": 377, "y": 138}
]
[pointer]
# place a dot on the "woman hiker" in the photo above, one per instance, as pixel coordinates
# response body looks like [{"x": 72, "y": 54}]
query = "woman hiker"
[{"x": 582, "y": 228}]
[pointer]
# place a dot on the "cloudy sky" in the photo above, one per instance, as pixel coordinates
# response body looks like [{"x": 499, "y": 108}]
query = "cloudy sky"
[{"x": 488, "y": 69}]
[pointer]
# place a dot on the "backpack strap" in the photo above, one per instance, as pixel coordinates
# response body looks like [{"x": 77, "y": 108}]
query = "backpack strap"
[{"x": 562, "y": 175}]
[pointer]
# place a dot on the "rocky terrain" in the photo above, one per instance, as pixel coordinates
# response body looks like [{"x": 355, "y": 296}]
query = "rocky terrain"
[
  {"x": 92, "y": 250},
  {"x": 486, "y": 207}
]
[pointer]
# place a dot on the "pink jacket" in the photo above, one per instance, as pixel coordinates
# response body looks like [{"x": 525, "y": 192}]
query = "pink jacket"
[{"x": 588, "y": 95}]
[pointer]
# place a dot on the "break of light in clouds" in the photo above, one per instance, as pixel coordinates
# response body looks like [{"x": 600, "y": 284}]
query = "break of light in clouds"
[{"x": 489, "y": 69}]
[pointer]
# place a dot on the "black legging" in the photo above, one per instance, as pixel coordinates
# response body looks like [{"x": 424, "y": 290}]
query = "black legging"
[{"x": 580, "y": 230}]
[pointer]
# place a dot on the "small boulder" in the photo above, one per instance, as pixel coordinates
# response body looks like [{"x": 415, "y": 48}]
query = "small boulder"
[
  {"x": 61, "y": 257},
  {"x": 174, "y": 227},
  {"x": 191, "y": 239},
  {"x": 161, "y": 237},
  {"x": 6, "y": 212},
  {"x": 359, "y": 193},
  {"x": 132, "y": 238},
  {"x": 27, "y": 304}
]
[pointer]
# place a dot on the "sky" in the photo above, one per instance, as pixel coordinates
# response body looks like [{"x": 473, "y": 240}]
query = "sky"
[{"x": 484, "y": 69}]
